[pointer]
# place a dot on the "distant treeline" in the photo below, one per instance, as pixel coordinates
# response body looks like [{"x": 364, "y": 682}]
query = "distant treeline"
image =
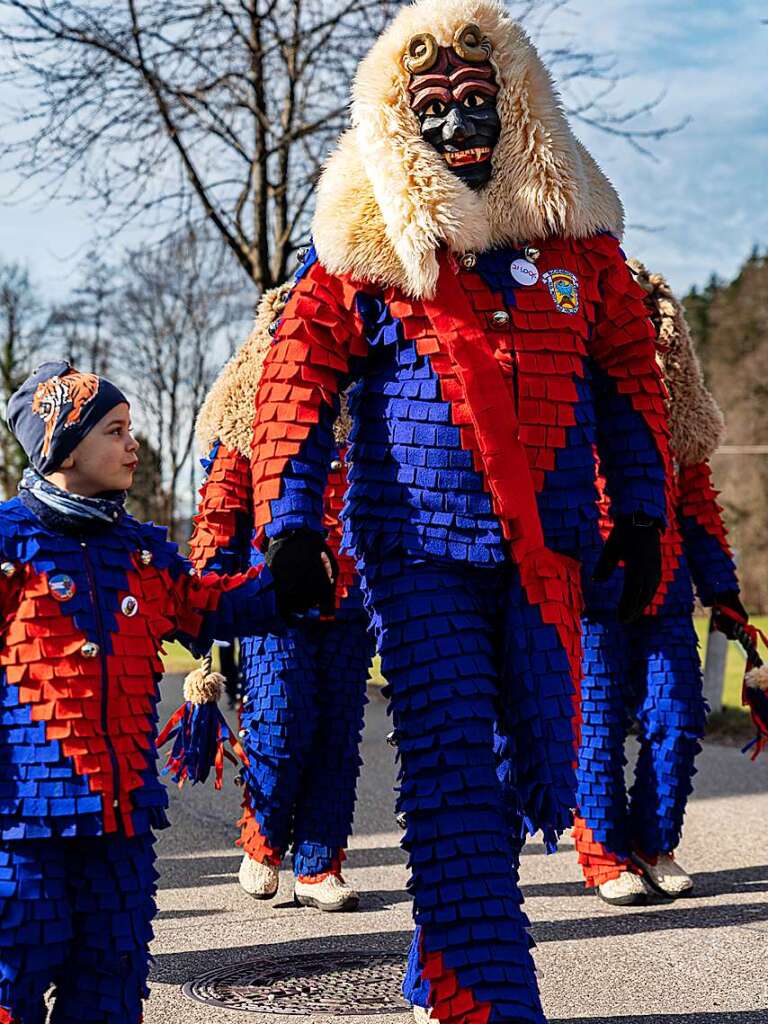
[{"x": 729, "y": 321}]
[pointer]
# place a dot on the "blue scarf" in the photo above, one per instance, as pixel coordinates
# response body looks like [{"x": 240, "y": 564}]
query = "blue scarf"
[{"x": 71, "y": 513}]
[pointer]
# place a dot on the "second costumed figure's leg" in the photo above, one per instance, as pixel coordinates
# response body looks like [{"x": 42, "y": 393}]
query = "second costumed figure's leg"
[
  {"x": 326, "y": 801},
  {"x": 437, "y": 631},
  {"x": 601, "y": 827},
  {"x": 672, "y": 719},
  {"x": 278, "y": 721}
]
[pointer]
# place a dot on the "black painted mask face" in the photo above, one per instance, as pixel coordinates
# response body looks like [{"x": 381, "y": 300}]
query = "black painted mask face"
[{"x": 455, "y": 102}]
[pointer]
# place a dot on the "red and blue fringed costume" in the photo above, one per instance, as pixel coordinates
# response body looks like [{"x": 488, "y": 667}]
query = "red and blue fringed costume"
[
  {"x": 475, "y": 416},
  {"x": 303, "y": 685},
  {"x": 82, "y": 620},
  {"x": 649, "y": 671}
]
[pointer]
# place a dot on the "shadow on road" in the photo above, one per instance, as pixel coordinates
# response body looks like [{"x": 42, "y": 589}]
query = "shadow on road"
[
  {"x": 179, "y": 968},
  {"x": 726, "y": 1017},
  {"x": 664, "y": 919}
]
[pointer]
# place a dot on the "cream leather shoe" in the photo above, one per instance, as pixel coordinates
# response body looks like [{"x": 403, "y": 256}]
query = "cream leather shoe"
[
  {"x": 666, "y": 876},
  {"x": 257, "y": 879},
  {"x": 624, "y": 891},
  {"x": 332, "y": 894},
  {"x": 422, "y": 1016}
]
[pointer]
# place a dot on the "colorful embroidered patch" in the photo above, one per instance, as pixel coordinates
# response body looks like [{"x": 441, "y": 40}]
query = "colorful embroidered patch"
[
  {"x": 564, "y": 288},
  {"x": 62, "y": 587}
]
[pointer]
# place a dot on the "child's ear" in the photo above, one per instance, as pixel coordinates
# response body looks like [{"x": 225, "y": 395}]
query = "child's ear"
[{"x": 68, "y": 463}]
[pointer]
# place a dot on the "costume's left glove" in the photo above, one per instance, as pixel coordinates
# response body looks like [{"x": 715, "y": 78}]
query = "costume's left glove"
[
  {"x": 305, "y": 572},
  {"x": 727, "y": 624},
  {"x": 634, "y": 540}
]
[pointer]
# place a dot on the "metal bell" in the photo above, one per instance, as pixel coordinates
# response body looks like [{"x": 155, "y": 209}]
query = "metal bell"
[
  {"x": 272, "y": 329},
  {"x": 7, "y": 569},
  {"x": 336, "y": 465},
  {"x": 392, "y": 738},
  {"x": 401, "y": 820},
  {"x": 242, "y": 733},
  {"x": 532, "y": 253},
  {"x": 145, "y": 557},
  {"x": 469, "y": 261},
  {"x": 302, "y": 253},
  {"x": 500, "y": 318},
  {"x": 90, "y": 650}
]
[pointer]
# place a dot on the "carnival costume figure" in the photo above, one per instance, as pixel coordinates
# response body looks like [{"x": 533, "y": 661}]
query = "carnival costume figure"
[
  {"x": 303, "y": 687},
  {"x": 649, "y": 670},
  {"x": 467, "y": 282},
  {"x": 87, "y": 596}
]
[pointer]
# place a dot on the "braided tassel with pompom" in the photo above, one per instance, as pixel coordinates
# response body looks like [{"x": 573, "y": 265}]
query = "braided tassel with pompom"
[{"x": 199, "y": 731}]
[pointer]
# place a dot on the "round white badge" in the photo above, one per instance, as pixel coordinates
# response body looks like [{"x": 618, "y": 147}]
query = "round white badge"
[
  {"x": 524, "y": 272},
  {"x": 129, "y": 606}
]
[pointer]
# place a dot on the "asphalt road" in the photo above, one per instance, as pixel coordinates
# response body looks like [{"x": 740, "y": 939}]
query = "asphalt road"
[{"x": 703, "y": 960}]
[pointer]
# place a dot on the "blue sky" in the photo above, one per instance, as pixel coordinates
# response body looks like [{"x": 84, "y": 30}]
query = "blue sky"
[{"x": 706, "y": 196}]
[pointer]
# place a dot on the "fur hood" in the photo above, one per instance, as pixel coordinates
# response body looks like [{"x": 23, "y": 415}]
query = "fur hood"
[
  {"x": 387, "y": 200},
  {"x": 696, "y": 423},
  {"x": 228, "y": 411}
]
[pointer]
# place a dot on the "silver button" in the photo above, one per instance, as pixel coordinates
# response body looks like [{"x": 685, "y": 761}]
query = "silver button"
[
  {"x": 90, "y": 650},
  {"x": 469, "y": 261},
  {"x": 7, "y": 569},
  {"x": 145, "y": 557},
  {"x": 532, "y": 253},
  {"x": 500, "y": 318}
]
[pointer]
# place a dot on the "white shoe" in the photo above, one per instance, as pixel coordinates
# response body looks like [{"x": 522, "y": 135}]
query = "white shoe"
[
  {"x": 259, "y": 880},
  {"x": 332, "y": 894},
  {"x": 666, "y": 876},
  {"x": 424, "y": 1016},
  {"x": 623, "y": 891}
]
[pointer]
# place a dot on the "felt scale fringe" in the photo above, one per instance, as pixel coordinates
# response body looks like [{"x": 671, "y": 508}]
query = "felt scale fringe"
[
  {"x": 199, "y": 733},
  {"x": 302, "y": 715},
  {"x": 649, "y": 670},
  {"x": 77, "y": 912}
]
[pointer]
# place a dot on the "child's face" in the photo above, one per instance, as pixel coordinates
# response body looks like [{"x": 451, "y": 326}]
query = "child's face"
[{"x": 106, "y": 459}]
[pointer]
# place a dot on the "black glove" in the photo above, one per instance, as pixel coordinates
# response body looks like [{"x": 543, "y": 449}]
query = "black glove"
[
  {"x": 296, "y": 562},
  {"x": 634, "y": 540},
  {"x": 724, "y": 623}
]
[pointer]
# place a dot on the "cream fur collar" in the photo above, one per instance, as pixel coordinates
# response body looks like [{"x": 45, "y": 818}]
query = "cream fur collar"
[{"x": 386, "y": 200}]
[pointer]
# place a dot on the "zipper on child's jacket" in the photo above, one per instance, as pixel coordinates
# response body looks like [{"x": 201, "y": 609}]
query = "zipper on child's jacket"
[{"x": 104, "y": 683}]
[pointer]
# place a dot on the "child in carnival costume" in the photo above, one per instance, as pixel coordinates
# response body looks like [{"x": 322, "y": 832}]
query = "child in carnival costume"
[
  {"x": 467, "y": 282},
  {"x": 304, "y": 686},
  {"x": 649, "y": 669},
  {"x": 87, "y": 597}
]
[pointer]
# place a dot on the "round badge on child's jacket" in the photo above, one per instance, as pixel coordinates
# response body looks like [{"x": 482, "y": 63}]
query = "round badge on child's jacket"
[
  {"x": 129, "y": 606},
  {"x": 62, "y": 587}
]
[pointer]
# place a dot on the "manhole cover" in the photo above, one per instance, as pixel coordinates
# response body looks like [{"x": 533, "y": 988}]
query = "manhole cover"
[{"x": 335, "y": 983}]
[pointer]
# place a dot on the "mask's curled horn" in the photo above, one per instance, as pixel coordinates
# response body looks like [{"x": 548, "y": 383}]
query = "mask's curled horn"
[
  {"x": 471, "y": 45},
  {"x": 421, "y": 54}
]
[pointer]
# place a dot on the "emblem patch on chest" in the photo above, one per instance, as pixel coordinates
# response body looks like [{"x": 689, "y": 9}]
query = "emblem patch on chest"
[
  {"x": 564, "y": 288},
  {"x": 61, "y": 587},
  {"x": 129, "y": 606}
]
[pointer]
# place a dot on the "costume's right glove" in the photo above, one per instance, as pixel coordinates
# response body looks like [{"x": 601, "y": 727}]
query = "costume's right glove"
[
  {"x": 725, "y": 623},
  {"x": 304, "y": 571},
  {"x": 634, "y": 540}
]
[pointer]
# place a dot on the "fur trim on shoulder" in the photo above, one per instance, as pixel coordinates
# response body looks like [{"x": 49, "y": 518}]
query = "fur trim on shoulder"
[
  {"x": 228, "y": 411},
  {"x": 696, "y": 423},
  {"x": 387, "y": 201}
]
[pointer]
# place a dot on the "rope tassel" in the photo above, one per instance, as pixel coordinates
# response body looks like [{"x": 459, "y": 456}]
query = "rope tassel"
[{"x": 199, "y": 731}]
